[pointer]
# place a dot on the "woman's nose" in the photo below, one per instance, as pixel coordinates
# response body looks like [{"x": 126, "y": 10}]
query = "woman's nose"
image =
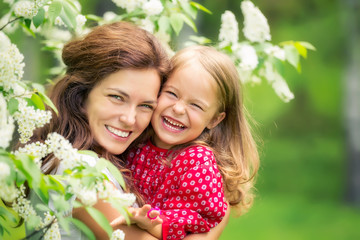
[
  {"x": 179, "y": 107},
  {"x": 128, "y": 117}
]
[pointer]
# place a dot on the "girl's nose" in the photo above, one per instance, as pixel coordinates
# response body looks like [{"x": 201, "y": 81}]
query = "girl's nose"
[
  {"x": 179, "y": 107},
  {"x": 128, "y": 117}
]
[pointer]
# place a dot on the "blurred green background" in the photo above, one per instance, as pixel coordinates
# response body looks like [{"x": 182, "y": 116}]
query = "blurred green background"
[{"x": 302, "y": 182}]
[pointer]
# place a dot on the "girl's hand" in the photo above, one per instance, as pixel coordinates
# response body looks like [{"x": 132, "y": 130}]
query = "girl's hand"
[{"x": 144, "y": 217}]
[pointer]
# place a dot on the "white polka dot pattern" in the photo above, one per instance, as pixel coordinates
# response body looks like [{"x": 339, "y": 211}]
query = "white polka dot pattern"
[{"x": 189, "y": 191}]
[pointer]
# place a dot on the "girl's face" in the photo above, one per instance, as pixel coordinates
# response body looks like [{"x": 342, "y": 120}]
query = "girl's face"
[
  {"x": 120, "y": 107},
  {"x": 188, "y": 104}
]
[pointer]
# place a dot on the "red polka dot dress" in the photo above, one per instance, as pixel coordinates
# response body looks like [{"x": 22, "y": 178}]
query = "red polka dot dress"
[{"x": 189, "y": 190}]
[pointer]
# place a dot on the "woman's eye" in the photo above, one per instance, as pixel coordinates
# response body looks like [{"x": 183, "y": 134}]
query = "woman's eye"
[
  {"x": 117, "y": 97},
  {"x": 147, "y": 106}
]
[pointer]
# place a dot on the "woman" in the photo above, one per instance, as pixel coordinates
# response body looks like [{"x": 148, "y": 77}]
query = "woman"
[{"x": 105, "y": 101}]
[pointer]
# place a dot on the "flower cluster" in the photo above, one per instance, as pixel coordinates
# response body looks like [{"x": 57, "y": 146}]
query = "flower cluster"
[
  {"x": 118, "y": 235},
  {"x": 11, "y": 63},
  {"x": 229, "y": 30},
  {"x": 28, "y": 119},
  {"x": 53, "y": 232},
  {"x": 22, "y": 205},
  {"x": 6, "y": 124},
  {"x": 26, "y": 9},
  {"x": 107, "y": 190},
  {"x": 256, "y": 28},
  {"x": 63, "y": 150},
  {"x": 36, "y": 149}
]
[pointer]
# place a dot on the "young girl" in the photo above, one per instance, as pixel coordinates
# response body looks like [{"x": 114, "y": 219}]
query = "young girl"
[{"x": 202, "y": 155}]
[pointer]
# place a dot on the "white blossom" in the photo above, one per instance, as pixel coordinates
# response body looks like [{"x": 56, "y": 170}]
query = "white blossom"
[
  {"x": 11, "y": 63},
  {"x": 26, "y": 9},
  {"x": 118, "y": 235},
  {"x": 106, "y": 190},
  {"x": 153, "y": 7},
  {"x": 36, "y": 149},
  {"x": 87, "y": 196},
  {"x": 8, "y": 192},
  {"x": 28, "y": 119},
  {"x": 80, "y": 20},
  {"x": 59, "y": 22},
  {"x": 275, "y": 51},
  {"x": 129, "y": 5},
  {"x": 229, "y": 30},
  {"x": 277, "y": 82},
  {"x": 53, "y": 233},
  {"x": 109, "y": 16},
  {"x": 22, "y": 205},
  {"x": 4, "y": 171},
  {"x": 256, "y": 28},
  {"x": 63, "y": 150},
  {"x": 147, "y": 25},
  {"x": 247, "y": 55},
  {"x": 6, "y": 124}
]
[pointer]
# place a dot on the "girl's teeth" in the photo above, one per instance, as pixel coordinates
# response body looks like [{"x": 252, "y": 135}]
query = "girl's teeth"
[
  {"x": 118, "y": 132},
  {"x": 173, "y": 123}
]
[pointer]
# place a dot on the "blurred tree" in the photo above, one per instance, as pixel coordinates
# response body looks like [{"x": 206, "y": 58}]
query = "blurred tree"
[{"x": 352, "y": 101}]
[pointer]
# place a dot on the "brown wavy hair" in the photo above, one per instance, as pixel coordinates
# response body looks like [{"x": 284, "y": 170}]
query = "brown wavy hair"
[
  {"x": 231, "y": 140},
  {"x": 105, "y": 50}
]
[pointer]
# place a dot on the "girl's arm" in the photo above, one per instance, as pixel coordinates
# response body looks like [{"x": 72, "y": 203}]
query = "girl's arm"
[
  {"x": 214, "y": 233},
  {"x": 131, "y": 232}
]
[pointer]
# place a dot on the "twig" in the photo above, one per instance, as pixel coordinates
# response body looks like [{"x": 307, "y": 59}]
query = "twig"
[{"x": 10, "y": 22}]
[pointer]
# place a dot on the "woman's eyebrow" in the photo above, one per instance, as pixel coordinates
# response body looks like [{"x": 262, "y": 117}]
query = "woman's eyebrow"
[{"x": 120, "y": 92}]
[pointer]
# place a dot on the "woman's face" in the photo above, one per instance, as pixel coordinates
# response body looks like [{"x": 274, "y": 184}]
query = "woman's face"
[{"x": 120, "y": 107}]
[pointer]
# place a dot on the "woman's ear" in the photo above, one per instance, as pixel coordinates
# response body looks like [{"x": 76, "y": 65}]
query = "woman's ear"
[{"x": 216, "y": 120}]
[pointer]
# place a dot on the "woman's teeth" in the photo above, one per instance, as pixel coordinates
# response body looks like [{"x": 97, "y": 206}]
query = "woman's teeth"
[{"x": 118, "y": 132}]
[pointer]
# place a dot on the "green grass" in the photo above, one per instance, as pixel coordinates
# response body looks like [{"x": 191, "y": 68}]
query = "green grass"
[{"x": 300, "y": 193}]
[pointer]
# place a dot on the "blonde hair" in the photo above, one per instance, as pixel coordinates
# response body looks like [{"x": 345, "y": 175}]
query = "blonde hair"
[{"x": 231, "y": 140}]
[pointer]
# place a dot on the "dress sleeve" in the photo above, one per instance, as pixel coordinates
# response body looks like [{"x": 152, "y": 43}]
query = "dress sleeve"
[{"x": 197, "y": 204}]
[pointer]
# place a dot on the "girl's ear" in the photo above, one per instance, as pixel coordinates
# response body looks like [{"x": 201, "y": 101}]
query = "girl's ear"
[{"x": 216, "y": 120}]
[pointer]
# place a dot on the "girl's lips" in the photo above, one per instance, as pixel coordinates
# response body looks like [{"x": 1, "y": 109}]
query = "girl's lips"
[
  {"x": 172, "y": 125},
  {"x": 118, "y": 132}
]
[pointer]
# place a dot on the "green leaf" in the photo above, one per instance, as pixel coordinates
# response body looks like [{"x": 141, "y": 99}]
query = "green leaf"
[
  {"x": 89, "y": 153},
  {"x": 13, "y": 105},
  {"x": 189, "y": 9},
  {"x": 48, "y": 102},
  {"x": 201, "y": 7},
  {"x": 27, "y": 29},
  {"x": 60, "y": 203},
  {"x": 307, "y": 45},
  {"x": 189, "y": 22},
  {"x": 33, "y": 221},
  {"x": 100, "y": 219},
  {"x": 122, "y": 210},
  {"x": 54, "y": 10},
  {"x": 64, "y": 222},
  {"x": 292, "y": 55},
  {"x": 93, "y": 17},
  {"x": 164, "y": 24},
  {"x": 39, "y": 18},
  {"x": 69, "y": 16},
  {"x": 177, "y": 22},
  {"x": 200, "y": 40},
  {"x": 42, "y": 207},
  {"x": 37, "y": 101},
  {"x": 28, "y": 167},
  {"x": 115, "y": 172},
  {"x": 7, "y": 215},
  {"x": 38, "y": 87},
  {"x": 85, "y": 229},
  {"x": 301, "y": 49}
]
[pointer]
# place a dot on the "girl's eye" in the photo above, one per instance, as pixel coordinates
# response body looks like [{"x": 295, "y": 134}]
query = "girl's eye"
[
  {"x": 171, "y": 93},
  {"x": 197, "y": 106}
]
